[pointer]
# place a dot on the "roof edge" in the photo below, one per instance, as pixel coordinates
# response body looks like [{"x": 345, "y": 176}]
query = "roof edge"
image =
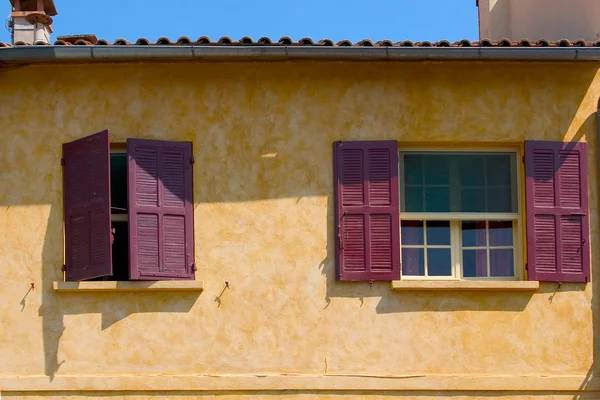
[{"x": 81, "y": 53}]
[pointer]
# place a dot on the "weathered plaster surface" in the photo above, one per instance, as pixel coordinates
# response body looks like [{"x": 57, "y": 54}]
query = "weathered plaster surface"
[
  {"x": 303, "y": 396},
  {"x": 262, "y": 137}
]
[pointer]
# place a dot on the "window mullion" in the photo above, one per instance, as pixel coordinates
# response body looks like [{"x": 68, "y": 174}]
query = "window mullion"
[
  {"x": 455, "y": 195},
  {"x": 455, "y": 246},
  {"x": 425, "y": 266},
  {"x": 487, "y": 246},
  {"x": 485, "y": 188},
  {"x": 519, "y": 271},
  {"x": 402, "y": 184}
]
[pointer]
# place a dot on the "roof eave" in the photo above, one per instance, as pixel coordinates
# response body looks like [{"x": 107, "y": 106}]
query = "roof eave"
[{"x": 35, "y": 54}]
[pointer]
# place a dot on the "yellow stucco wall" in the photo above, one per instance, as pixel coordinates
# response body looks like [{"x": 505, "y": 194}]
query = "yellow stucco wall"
[{"x": 262, "y": 137}]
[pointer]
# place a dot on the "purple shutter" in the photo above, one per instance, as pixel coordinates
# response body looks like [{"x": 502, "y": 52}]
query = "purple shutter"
[
  {"x": 161, "y": 221},
  {"x": 557, "y": 211},
  {"x": 367, "y": 211},
  {"x": 86, "y": 175}
]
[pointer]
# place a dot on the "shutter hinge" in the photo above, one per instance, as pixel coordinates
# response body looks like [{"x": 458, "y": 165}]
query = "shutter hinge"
[
  {"x": 523, "y": 159},
  {"x": 194, "y": 268},
  {"x": 64, "y": 268},
  {"x": 526, "y": 267},
  {"x": 192, "y": 161},
  {"x": 62, "y": 162}
]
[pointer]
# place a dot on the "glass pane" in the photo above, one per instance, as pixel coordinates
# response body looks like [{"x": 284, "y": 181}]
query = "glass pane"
[
  {"x": 437, "y": 169},
  {"x": 412, "y": 233},
  {"x": 413, "y": 262},
  {"x": 473, "y": 233},
  {"x": 413, "y": 199},
  {"x": 501, "y": 233},
  {"x": 502, "y": 262},
  {"x": 118, "y": 183},
  {"x": 438, "y": 233},
  {"x": 472, "y": 200},
  {"x": 500, "y": 200},
  {"x": 498, "y": 169},
  {"x": 439, "y": 262},
  {"x": 471, "y": 170},
  {"x": 437, "y": 199},
  {"x": 413, "y": 173},
  {"x": 459, "y": 182},
  {"x": 474, "y": 263}
]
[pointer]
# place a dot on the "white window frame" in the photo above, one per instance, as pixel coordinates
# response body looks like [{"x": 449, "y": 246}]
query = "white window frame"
[{"x": 455, "y": 218}]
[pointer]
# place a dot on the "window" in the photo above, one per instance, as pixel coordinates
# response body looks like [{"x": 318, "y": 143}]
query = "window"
[
  {"x": 459, "y": 214},
  {"x": 129, "y": 211},
  {"x": 118, "y": 214}
]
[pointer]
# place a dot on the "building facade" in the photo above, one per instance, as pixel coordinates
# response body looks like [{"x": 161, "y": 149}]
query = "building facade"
[
  {"x": 307, "y": 220},
  {"x": 272, "y": 319}
]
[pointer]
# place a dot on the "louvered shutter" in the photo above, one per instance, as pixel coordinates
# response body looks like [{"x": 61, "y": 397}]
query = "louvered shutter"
[
  {"x": 161, "y": 226},
  {"x": 367, "y": 211},
  {"x": 86, "y": 179},
  {"x": 557, "y": 211}
]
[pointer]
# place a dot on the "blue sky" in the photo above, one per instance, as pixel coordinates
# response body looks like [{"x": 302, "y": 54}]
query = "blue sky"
[{"x": 334, "y": 19}]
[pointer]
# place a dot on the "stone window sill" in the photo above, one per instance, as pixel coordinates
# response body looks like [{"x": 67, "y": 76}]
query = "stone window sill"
[
  {"x": 465, "y": 285},
  {"x": 132, "y": 286}
]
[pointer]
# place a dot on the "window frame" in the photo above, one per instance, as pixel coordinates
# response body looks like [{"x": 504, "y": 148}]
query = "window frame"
[
  {"x": 455, "y": 218},
  {"x": 122, "y": 148},
  {"x": 119, "y": 148}
]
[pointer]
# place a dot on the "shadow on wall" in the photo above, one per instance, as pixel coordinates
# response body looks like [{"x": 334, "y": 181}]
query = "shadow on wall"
[
  {"x": 423, "y": 301},
  {"x": 113, "y": 307},
  {"x": 391, "y": 302},
  {"x": 592, "y": 380},
  {"x": 240, "y": 179}
]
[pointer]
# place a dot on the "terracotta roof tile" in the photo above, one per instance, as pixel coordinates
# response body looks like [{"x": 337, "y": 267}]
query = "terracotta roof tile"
[
  {"x": 184, "y": 40},
  {"x": 90, "y": 40},
  {"x": 73, "y": 39}
]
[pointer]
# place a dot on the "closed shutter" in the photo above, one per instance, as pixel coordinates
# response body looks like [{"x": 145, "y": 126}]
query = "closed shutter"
[
  {"x": 86, "y": 176},
  {"x": 367, "y": 211},
  {"x": 161, "y": 226},
  {"x": 557, "y": 211}
]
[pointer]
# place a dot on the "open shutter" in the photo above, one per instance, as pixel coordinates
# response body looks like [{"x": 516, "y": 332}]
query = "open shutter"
[
  {"x": 86, "y": 175},
  {"x": 161, "y": 225},
  {"x": 557, "y": 211},
  {"x": 367, "y": 210}
]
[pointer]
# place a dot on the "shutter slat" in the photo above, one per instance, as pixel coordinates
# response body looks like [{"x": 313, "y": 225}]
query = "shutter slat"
[
  {"x": 160, "y": 210},
  {"x": 545, "y": 243},
  {"x": 367, "y": 210},
  {"x": 381, "y": 243},
  {"x": 557, "y": 211},
  {"x": 543, "y": 165},
  {"x": 379, "y": 177},
  {"x": 352, "y": 177},
  {"x": 569, "y": 180},
  {"x": 146, "y": 177},
  {"x": 353, "y": 242},
  {"x": 571, "y": 256},
  {"x": 87, "y": 207}
]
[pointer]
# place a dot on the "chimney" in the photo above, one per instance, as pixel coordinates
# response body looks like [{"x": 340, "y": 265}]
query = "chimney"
[
  {"x": 31, "y": 21},
  {"x": 539, "y": 19}
]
